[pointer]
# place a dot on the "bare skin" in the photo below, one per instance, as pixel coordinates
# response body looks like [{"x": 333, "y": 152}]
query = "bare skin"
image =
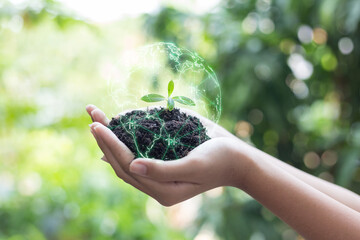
[{"x": 316, "y": 209}]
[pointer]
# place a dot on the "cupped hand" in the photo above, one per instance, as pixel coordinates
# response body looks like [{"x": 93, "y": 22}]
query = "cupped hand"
[{"x": 209, "y": 165}]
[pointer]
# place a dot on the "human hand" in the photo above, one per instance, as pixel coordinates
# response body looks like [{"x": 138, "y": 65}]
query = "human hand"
[
  {"x": 210, "y": 165},
  {"x": 215, "y": 130},
  {"x": 217, "y": 162}
]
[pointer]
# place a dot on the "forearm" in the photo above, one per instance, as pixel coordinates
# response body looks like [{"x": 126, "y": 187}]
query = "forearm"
[
  {"x": 338, "y": 193},
  {"x": 310, "y": 212}
]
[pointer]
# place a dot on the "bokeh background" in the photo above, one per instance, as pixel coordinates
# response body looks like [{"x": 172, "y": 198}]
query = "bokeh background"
[{"x": 290, "y": 77}]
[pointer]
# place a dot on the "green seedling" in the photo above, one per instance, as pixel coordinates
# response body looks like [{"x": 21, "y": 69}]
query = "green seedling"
[{"x": 152, "y": 97}]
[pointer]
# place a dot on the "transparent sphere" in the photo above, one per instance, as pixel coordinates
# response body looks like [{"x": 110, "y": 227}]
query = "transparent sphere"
[{"x": 149, "y": 70}]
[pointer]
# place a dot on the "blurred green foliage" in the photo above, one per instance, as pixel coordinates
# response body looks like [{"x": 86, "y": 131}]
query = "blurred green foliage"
[
  {"x": 290, "y": 81},
  {"x": 53, "y": 184},
  {"x": 289, "y": 72}
]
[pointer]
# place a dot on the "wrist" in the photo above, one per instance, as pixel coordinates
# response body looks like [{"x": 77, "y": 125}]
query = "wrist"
[{"x": 243, "y": 163}]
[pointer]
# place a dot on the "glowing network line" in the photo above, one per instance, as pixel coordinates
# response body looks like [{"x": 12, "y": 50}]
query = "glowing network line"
[
  {"x": 146, "y": 71},
  {"x": 131, "y": 126}
]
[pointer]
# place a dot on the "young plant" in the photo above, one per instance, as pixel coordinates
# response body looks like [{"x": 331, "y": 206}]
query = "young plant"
[{"x": 153, "y": 97}]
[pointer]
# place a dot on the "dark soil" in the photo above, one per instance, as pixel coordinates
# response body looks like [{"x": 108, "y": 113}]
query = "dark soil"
[{"x": 159, "y": 133}]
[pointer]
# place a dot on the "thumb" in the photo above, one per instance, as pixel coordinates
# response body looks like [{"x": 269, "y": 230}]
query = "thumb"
[{"x": 183, "y": 169}]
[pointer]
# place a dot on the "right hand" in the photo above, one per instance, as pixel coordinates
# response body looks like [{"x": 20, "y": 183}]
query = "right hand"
[{"x": 217, "y": 162}]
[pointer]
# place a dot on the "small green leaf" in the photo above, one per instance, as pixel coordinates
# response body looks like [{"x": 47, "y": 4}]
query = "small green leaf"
[
  {"x": 170, "y": 88},
  {"x": 184, "y": 100},
  {"x": 152, "y": 97},
  {"x": 170, "y": 104}
]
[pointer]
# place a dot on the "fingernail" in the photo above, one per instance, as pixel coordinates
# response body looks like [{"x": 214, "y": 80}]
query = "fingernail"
[
  {"x": 92, "y": 113},
  {"x": 138, "y": 168},
  {"x": 93, "y": 133},
  {"x": 93, "y": 125}
]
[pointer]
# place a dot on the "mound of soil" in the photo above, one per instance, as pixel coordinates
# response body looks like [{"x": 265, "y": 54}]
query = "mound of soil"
[{"x": 159, "y": 133}]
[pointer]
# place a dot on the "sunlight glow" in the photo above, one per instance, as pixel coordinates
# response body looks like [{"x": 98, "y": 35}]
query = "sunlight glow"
[{"x": 110, "y": 10}]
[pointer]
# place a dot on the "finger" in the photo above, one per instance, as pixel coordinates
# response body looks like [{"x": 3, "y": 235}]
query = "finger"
[
  {"x": 185, "y": 169},
  {"x": 99, "y": 116},
  {"x": 170, "y": 193},
  {"x": 119, "y": 150},
  {"x": 114, "y": 163},
  {"x": 89, "y": 108},
  {"x": 97, "y": 141},
  {"x": 116, "y": 167}
]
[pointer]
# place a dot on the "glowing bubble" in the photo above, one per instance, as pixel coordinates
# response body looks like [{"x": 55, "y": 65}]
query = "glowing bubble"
[
  {"x": 156, "y": 72},
  {"x": 149, "y": 70}
]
